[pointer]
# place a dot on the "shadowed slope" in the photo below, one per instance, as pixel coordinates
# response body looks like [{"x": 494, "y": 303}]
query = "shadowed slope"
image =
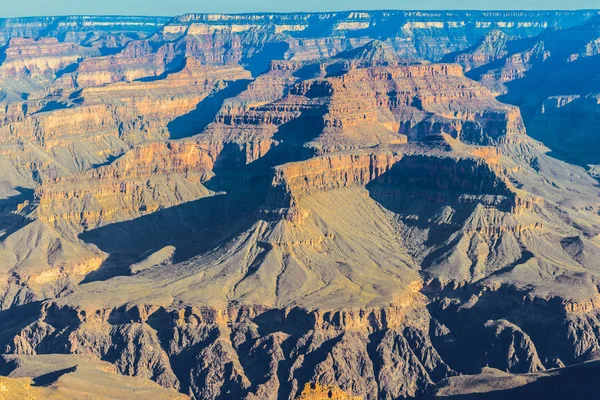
[{"x": 578, "y": 382}]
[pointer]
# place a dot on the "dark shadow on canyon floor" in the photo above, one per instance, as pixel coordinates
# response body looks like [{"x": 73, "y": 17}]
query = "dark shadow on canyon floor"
[
  {"x": 205, "y": 112},
  {"x": 50, "y": 378},
  {"x": 10, "y": 221},
  {"x": 193, "y": 228},
  {"x": 573, "y": 383}
]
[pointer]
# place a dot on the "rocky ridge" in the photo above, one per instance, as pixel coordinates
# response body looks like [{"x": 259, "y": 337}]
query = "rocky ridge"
[{"x": 561, "y": 66}]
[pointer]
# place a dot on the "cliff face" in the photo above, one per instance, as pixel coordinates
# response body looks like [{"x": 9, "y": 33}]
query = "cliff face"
[
  {"x": 137, "y": 47},
  {"x": 224, "y": 348},
  {"x": 142, "y": 181},
  {"x": 98, "y": 124},
  {"x": 553, "y": 78},
  {"x": 491, "y": 48},
  {"x": 269, "y": 206},
  {"x": 414, "y": 34},
  {"x": 42, "y": 56},
  {"x": 76, "y": 28}
]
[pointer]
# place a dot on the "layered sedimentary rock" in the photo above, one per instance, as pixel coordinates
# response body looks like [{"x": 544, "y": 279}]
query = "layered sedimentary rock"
[
  {"x": 418, "y": 34},
  {"x": 158, "y": 55},
  {"x": 43, "y": 144},
  {"x": 224, "y": 347},
  {"x": 255, "y": 39},
  {"x": 42, "y": 56},
  {"x": 491, "y": 48},
  {"x": 75, "y": 28},
  {"x": 553, "y": 78},
  {"x": 142, "y": 181},
  {"x": 96, "y": 125},
  {"x": 278, "y": 206}
]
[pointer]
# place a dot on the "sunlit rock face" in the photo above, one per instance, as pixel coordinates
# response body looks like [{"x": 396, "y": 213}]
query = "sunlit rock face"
[{"x": 279, "y": 206}]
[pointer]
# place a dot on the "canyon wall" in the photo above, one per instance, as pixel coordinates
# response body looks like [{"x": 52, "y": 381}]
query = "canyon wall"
[{"x": 271, "y": 206}]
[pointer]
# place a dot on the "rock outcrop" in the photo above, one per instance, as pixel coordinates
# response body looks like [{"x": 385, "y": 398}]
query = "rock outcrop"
[
  {"x": 491, "y": 48},
  {"x": 575, "y": 382},
  {"x": 512, "y": 350},
  {"x": 545, "y": 76},
  {"x": 44, "y": 56},
  {"x": 207, "y": 352},
  {"x": 65, "y": 376}
]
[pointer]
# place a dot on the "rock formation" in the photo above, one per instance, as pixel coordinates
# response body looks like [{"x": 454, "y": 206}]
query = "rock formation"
[
  {"x": 67, "y": 376},
  {"x": 267, "y": 206},
  {"x": 553, "y": 78},
  {"x": 575, "y": 382}
]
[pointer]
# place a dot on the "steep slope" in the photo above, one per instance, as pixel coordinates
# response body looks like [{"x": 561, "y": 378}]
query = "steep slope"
[
  {"x": 74, "y": 166},
  {"x": 64, "y": 377},
  {"x": 553, "y": 79},
  {"x": 573, "y": 382},
  {"x": 492, "y": 47}
]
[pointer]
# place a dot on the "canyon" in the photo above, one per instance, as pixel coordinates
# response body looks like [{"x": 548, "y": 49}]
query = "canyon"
[{"x": 352, "y": 205}]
